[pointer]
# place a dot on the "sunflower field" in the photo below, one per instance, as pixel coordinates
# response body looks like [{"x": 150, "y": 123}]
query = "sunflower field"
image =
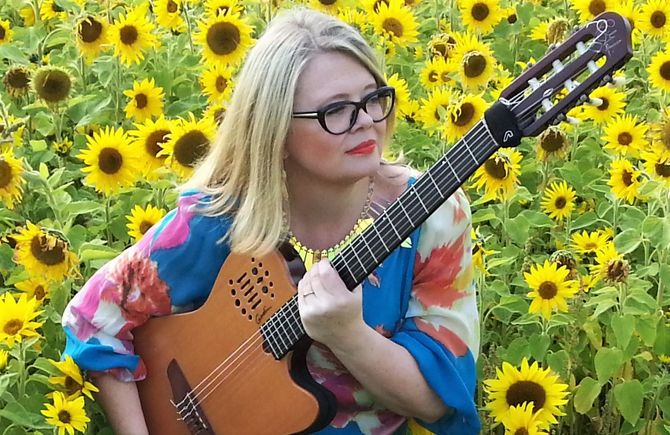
[{"x": 106, "y": 106}]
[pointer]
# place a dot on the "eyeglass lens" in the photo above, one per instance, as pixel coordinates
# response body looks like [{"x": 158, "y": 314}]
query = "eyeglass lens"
[{"x": 341, "y": 118}]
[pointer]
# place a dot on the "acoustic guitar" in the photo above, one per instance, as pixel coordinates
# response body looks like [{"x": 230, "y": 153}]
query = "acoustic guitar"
[{"x": 237, "y": 364}]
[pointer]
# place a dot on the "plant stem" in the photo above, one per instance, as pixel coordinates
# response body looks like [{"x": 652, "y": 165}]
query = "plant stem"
[
  {"x": 188, "y": 27},
  {"x": 108, "y": 227}
]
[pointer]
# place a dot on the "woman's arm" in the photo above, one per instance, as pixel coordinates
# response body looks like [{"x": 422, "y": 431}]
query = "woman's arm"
[{"x": 121, "y": 404}]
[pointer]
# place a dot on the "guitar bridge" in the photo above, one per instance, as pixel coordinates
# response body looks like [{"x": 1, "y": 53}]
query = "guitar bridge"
[{"x": 185, "y": 403}]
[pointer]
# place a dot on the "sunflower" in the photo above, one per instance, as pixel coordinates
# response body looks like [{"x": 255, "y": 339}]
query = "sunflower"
[
  {"x": 17, "y": 81},
  {"x": 613, "y": 104},
  {"x": 354, "y": 17},
  {"x": 474, "y": 62},
  {"x": 65, "y": 414},
  {"x": 532, "y": 385},
  {"x": 131, "y": 35},
  {"x": 552, "y": 31},
  {"x": 463, "y": 114},
  {"x": 589, "y": 9},
  {"x": 522, "y": 420},
  {"x": 72, "y": 380},
  {"x": 434, "y": 110},
  {"x": 625, "y": 135},
  {"x": 480, "y": 15},
  {"x": 217, "y": 82},
  {"x": 36, "y": 287},
  {"x": 11, "y": 179},
  {"x": 215, "y": 113},
  {"x": 396, "y": 23},
  {"x": 479, "y": 252},
  {"x": 435, "y": 73},
  {"x": 331, "y": 7},
  {"x": 658, "y": 167},
  {"x": 655, "y": 20},
  {"x": 27, "y": 13},
  {"x": 552, "y": 143},
  {"x": 225, "y": 39},
  {"x": 442, "y": 45},
  {"x": 52, "y": 84},
  {"x": 111, "y": 162},
  {"x": 661, "y": 135},
  {"x": 501, "y": 80},
  {"x": 50, "y": 9},
  {"x": 188, "y": 144},
  {"x": 16, "y": 318},
  {"x": 6, "y": 32},
  {"x": 142, "y": 219},
  {"x": 63, "y": 147},
  {"x": 150, "y": 137},
  {"x": 168, "y": 14},
  {"x": 609, "y": 265},
  {"x": 631, "y": 12},
  {"x": 589, "y": 243},
  {"x": 624, "y": 180},
  {"x": 499, "y": 175},
  {"x": 222, "y": 7},
  {"x": 559, "y": 200},
  {"x": 92, "y": 36},
  {"x": 402, "y": 95},
  {"x": 659, "y": 70},
  {"x": 550, "y": 288},
  {"x": 146, "y": 100},
  {"x": 43, "y": 254}
]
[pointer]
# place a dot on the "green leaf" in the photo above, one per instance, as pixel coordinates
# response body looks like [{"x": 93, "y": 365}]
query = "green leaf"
[
  {"x": 537, "y": 219},
  {"x": 81, "y": 207},
  {"x": 517, "y": 229},
  {"x": 629, "y": 397},
  {"x": 11, "y": 52},
  {"x": 515, "y": 352},
  {"x": 652, "y": 229},
  {"x": 607, "y": 362},
  {"x": 15, "y": 412},
  {"x": 585, "y": 220},
  {"x": 538, "y": 345},
  {"x": 559, "y": 362},
  {"x": 623, "y": 326},
  {"x": 483, "y": 215},
  {"x": 627, "y": 240},
  {"x": 586, "y": 393},
  {"x": 646, "y": 329}
]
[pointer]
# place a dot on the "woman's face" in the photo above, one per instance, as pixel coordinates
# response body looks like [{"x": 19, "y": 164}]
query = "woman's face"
[{"x": 315, "y": 153}]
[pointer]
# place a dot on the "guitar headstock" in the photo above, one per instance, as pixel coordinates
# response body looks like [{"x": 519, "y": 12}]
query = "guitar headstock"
[{"x": 534, "y": 97}]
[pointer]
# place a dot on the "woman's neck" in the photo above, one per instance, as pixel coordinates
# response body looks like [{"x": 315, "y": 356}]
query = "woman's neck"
[{"x": 321, "y": 214}]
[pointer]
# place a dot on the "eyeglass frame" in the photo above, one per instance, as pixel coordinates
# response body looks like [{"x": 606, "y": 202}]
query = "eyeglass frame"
[{"x": 320, "y": 114}]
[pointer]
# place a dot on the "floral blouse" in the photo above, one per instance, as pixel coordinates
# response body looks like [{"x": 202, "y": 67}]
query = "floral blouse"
[{"x": 422, "y": 297}]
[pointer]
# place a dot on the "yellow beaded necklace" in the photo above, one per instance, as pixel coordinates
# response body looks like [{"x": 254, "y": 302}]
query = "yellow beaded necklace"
[{"x": 311, "y": 256}]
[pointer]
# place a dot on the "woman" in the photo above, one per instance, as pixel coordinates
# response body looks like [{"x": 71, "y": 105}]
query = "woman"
[{"x": 295, "y": 159}]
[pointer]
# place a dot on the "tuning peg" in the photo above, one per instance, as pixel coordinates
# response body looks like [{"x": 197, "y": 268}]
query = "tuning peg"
[
  {"x": 596, "y": 102},
  {"x": 606, "y": 79},
  {"x": 583, "y": 98},
  {"x": 575, "y": 28},
  {"x": 571, "y": 120},
  {"x": 559, "y": 118},
  {"x": 618, "y": 82}
]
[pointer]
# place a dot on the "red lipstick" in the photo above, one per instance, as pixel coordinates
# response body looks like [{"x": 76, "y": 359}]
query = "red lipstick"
[{"x": 365, "y": 147}]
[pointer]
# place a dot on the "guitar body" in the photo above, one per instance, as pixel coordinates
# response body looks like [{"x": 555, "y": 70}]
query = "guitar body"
[{"x": 236, "y": 385}]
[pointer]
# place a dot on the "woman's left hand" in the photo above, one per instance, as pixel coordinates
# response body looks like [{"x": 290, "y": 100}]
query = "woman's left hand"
[{"x": 329, "y": 312}]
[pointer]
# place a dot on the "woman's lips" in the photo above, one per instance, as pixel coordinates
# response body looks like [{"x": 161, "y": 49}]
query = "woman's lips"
[{"x": 365, "y": 147}]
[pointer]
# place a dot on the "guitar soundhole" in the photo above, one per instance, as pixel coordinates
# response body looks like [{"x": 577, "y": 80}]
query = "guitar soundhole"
[{"x": 251, "y": 292}]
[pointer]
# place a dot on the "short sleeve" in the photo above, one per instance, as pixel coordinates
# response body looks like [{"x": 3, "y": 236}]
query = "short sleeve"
[
  {"x": 171, "y": 269},
  {"x": 441, "y": 326}
]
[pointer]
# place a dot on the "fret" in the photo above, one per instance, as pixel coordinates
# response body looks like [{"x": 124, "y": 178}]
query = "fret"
[
  {"x": 421, "y": 201},
  {"x": 467, "y": 146},
  {"x": 405, "y": 211},
  {"x": 271, "y": 338},
  {"x": 357, "y": 258},
  {"x": 483, "y": 121},
  {"x": 291, "y": 333},
  {"x": 430, "y": 176},
  {"x": 281, "y": 337},
  {"x": 365, "y": 242},
  {"x": 453, "y": 170},
  {"x": 381, "y": 238},
  {"x": 392, "y": 226}
]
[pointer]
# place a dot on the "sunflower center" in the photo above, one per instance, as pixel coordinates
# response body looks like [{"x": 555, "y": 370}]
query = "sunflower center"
[
  {"x": 605, "y": 105},
  {"x": 657, "y": 19},
  {"x": 560, "y": 202},
  {"x": 664, "y": 71},
  {"x": 145, "y": 226},
  {"x": 512, "y": 18},
  {"x": 625, "y": 138},
  {"x": 172, "y": 7},
  {"x": 223, "y": 38},
  {"x": 393, "y": 26},
  {"x": 627, "y": 178},
  {"x": 5, "y": 174},
  {"x": 521, "y": 431},
  {"x": 526, "y": 391},
  {"x": 190, "y": 148},
  {"x": 221, "y": 84},
  {"x": 475, "y": 64},
  {"x": 662, "y": 169},
  {"x": 480, "y": 11},
  {"x": 18, "y": 79},
  {"x": 548, "y": 289},
  {"x": 496, "y": 168},
  {"x": 552, "y": 141},
  {"x": 617, "y": 270},
  {"x": 39, "y": 292},
  {"x": 128, "y": 35},
  {"x": 64, "y": 416},
  {"x": 2, "y": 32},
  {"x": 328, "y": 2},
  {"x": 53, "y": 85},
  {"x": 590, "y": 246},
  {"x": 89, "y": 30},
  {"x": 141, "y": 100},
  {"x": 557, "y": 30},
  {"x": 13, "y": 326},
  {"x": 597, "y": 7},
  {"x": 219, "y": 114},
  {"x": 71, "y": 385},
  {"x": 49, "y": 252},
  {"x": 432, "y": 77},
  {"x": 154, "y": 141},
  {"x": 465, "y": 115},
  {"x": 110, "y": 160}
]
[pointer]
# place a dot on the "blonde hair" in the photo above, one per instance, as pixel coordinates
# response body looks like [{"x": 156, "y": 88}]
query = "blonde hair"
[{"x": 243, "y": 172}]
